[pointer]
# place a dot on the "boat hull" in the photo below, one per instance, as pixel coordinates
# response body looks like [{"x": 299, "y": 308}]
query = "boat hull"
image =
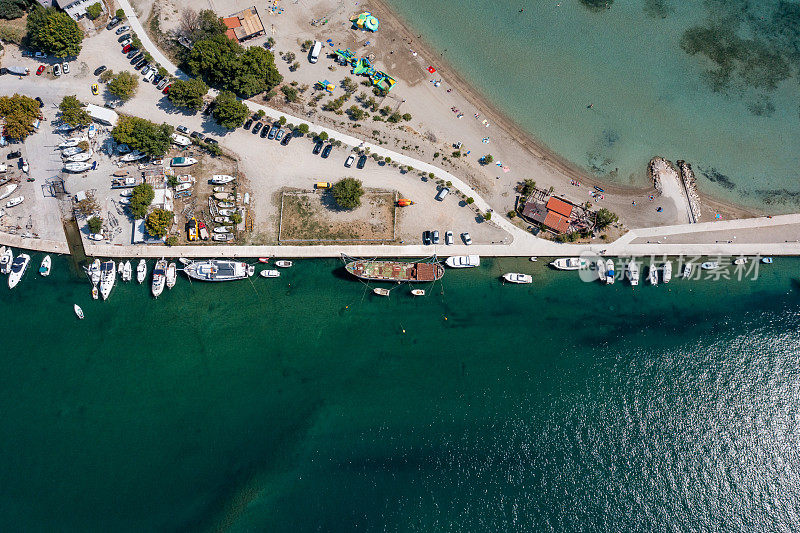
[{"x": 395, "y": 271}]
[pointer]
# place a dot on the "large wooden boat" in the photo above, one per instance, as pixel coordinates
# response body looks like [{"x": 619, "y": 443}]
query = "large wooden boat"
[{"x": 395, "y": 271}]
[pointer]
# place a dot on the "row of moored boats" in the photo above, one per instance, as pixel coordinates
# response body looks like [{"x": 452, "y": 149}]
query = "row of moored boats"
[{"x": 15, "y": 267}]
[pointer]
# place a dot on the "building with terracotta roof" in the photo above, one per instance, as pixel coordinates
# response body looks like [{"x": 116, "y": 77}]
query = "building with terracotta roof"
[
  {"x": 244, "y": 25},
  {"x": 556, "y": 214}
]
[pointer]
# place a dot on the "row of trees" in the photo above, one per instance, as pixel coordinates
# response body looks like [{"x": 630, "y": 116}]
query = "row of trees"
[{"x": 141, "y": 134}]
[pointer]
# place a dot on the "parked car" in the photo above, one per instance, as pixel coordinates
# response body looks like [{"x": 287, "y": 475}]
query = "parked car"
[
  {"x": 145, "y": 70},
  {"x": 426, "y": 237},
  {"x": 257, "y": 127},
  {"x": 132, "y": 52},
  {"x": 126, "y": 42},
  {"x": 95, "y": 89},
  {"x": 14, "y": 155},
  {"x": 162, "y": 83},
  {"x": 265, "y": 131},
  {"x": 197, "y": 135},
  {"x": 448, "y": 237},
  {"x": 149, "y": 76},
  {"x": 212, "y": 140},
  {"x": 279, "y": 135},
  {"x": 327, "y": 151},
  {"x": 466, "y": 238},
  {"x": 65, "y": 67},
  {"x": 27, "y": 53},
  {"x": 182, "y": 129},
  {"x": 248, "y": 123},
  {"x": 123, "y": 37},
  {"x": 287, "y": 138},
  {"x": 317, "y": 147},
  {"x": 126, "y": 48},
  {"x": 349, "y": 161},
  {"x": 435, "y": 236},
  {"x": 157, "y": 79},
  {"x": 141, "y": 63},
  {"x": 166, "y": 89},
  {"x": 122, "y": 29},
  {"x": 40, "y": 55},
  {"x": 113, "y": 22},
  {"x": 40, "y": 70},
  {"x": 273, "y": 132},
  {"x": 444, "y": 191},
  {"x": 99, "y": 70},
  {"x": 57, "y": 69},
  {"x": 41, "y": 103},
  {"x": 361, "y": 161}
]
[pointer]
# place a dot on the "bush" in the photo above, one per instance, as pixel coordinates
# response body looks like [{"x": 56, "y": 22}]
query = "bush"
[
  {"x": 120, "y": 14},
  {"x": 72, "y": 113},
  {"x": 124, "y": 85},
  {"x": 95, "y": 224},
  {"x": 158, "y": 222},
  {"x": 356, "y": 113},
  {"x": 54, "y": 32},
  {"x": 94, "y": 11},
  {"x": 172, "y": 240},
  {"x": 323, "y": 136},
  {"x": 486, "y": 160},
  {"x": 105, "y": 76},
  {"x": 10, "y": 10},
  {"x": 470, "y": 200},
  {"x": 141, "y": 197},
  {"x": 528, "y": 186},
  {"x": 406, "y": 116},
  {"x": 487, "y": 215},
  {"x": 291, "y": 93},
  {"x": 236, "y": 218},
  {"x": 229, "y": 111},
  {"x": 348, "y": 192},
  {"x": 260, "y": 113},
  {"x": 143, "y": 135},
  {"x": 512, "y": 214},
  {"x": 303, "y": 128}
]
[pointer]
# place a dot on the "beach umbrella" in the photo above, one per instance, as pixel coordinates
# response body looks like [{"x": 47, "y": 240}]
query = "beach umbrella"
[
  {"x": 371, "y": 23},
  {"x": 431, "y": 70}
]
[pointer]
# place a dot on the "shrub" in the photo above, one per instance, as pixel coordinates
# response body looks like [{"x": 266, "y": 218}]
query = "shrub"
[
  {"x": 303, "y": 128},
  {"x": 347, "y": 192},
  {"x": 19, "y": 112},
  {"x": 604, "y": 218},
  {"x": 291, "y": 93},
  {"x": 172, "y": 240},
  {"x": 120, "y": 14},
  {"x": 95, "y": 224},
  {"x": 72, "y": 113},
  {"x": 512, "y": 214},
  {"x": 94, "y": 11},
  {"x": 487, "y": 159},
  {"x": 470, "y": 200}
]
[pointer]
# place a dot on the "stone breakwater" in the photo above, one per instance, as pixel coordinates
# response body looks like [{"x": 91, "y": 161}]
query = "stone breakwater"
[
  {"x": 690, "y": 185},
  {"x": 658, "y": 169}
]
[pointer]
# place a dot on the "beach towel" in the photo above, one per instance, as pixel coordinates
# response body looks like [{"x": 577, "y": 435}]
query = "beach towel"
[{"x": 505, "y": 168}]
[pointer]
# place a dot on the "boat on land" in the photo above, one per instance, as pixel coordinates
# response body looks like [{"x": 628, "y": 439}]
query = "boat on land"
[
  {"x": 225, "y": 205},
  {"x": 126, "y": 182},
  {"x": 78, "y": 311},
  {"x": 108, "y": 275},
  {"x": 77, "y": 167},
  {"x": 159, "y": 277},
  {"x": 182, "y": 161},
  {"x": 227, "y": 212},
  {"x": 687, "y": 270},
  {"x": 92, "y": 131},
  {"x": 218, "y": 188},
  {"x": 221, "y": 179},
  {"x": 633, "y": 272},
  {"x": 283, "y": 263},
  {"x": 15, "y": 201},
  {"x": 381, "y": 291},
  {"x": 69, "y": 152},
  {"x": 172, "y": 275},
  {"x": 8, "y": 189},
  {"x": 652, "y": 274},
  {"x": 223, "y": 196},
  {"x": 766, "y": 260},
  {"x": 141, "y": 271},
  {"x": 270, "y": 274},
  {"x": 132, "y": 156},
  {"x": 5, "y": 261},
  {"x": 223, "y": 229},
  {"x": 222, "y": 237},
  {"x": 127, "y": 271},
  {"x": 516, "y": 277},
  {"x": 79, "y": 158},
  {"x": 710, "y": 265},
  {"x": 218, "y": 270},
  {"x": 222, "y": 220},
  {"x": 463, "y": 261},
  {"x": 568, "y": 263},
  {"x": 610, "y": 272},
  {"x": 44, "y": 269},
  {"x": 183, "y": 187},
  {"x": 18, "y": 268},
  {"x": 185, "y": 178},
  {"x": 69, "y": 143},
  {"x": 395, "y": 270},
  {"x": 418, "y": 292},
  {"x": 181, "y": 140},
  {"x": 740, "y": 261},
  {"x": 666, "y": 272}
]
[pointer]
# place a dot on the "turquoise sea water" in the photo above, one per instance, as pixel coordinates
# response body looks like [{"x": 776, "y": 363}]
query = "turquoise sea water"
[
  {"x": 737, "y": 120},
  {"x": 308, "y": 404}
]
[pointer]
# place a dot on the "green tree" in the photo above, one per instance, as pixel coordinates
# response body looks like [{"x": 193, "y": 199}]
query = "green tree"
[
  {"x": 95, "y": 224},
  {"x": 124, "y": 85},
  {"x": 72, "y": 113},
  {"x": 291, "y": 93},
  {"x": 209, "y": 25},
  {"x": 94, "y": 11},
  {"x": 188, "y": 93},
  {"x": 143, "y": 135},
  {"x": 19, "y": 112},
  {"x": 395, "y": 118},
  {"x": 229, "y": 111},
  {"x": 10, "y": 9},
  {"x": 406, "y": 116},
  {"x": 54, "y": 32},
  {"x": 120, "y": 14},
  {"x": 604, "y": 218},
  {"x": 158, "y": 221},
  {"x": 528, "y": 186},
  {"x": 141, "y": 196},
  {"x": 303, "y": 128},
  {"x": 323, "y": 136},
  {"x": 347, "y": 192},
  {"x": 487, "y": 159},
  {"x": 356, "y": 113}
]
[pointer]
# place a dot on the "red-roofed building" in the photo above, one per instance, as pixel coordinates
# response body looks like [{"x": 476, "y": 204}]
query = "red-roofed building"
[
  {"x": 557, "y": 205},
  {"x": 556, "y": 214},
  {"x": 244, "y": 25}
]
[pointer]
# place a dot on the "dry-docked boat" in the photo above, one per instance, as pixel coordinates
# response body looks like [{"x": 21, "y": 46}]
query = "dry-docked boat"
[
  {"x": 15, "y": 201},
  {"x": 223, "y": 229},
  {"x": 395, "y": 270},
  {"x": 225, "y": 205},
  {"x": 222, "y": 220},
  {"x": 218, "y": 270},
  {"x": 7, "y": 190},
  {"x": 77, "y": 167},
  {"x": 182, "y": 161},
  {"x": 69, "y": 152},
  {"x": 222, "y": 237},
  {"x": 127, "y": 182},
  {"x": 219, "y": 179},
  {"x": 133, "y": 156},
  {"x": 181, "y": 140},
  {"x": 223, "y": 196},
  {"x": 69, "y": 143},
  {"x": 227, "y": 212},
  {"x": 79, "y": 158}
]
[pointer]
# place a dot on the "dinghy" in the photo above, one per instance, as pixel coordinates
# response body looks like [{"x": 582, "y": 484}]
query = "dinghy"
[
  {"x": 172, "y": 275},
  {"x": 417, "y": 292},
  {"x": 283, "y": 263},
  {"x": 516, "y": 277},
  {"x": 81, "y": 157},
  {"x": 44, "y": 269},
  {"x": 8, "y": 189},
  {"x": 78, "y": 311},
  {"x": 381, "y": 291},
  {"x": 270, "y": 274},
  {"x": 15, "y": 201},
  {"x": 141, "y": 271}
]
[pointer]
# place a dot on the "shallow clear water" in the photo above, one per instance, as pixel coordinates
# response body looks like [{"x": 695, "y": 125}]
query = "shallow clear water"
[
  {"x": 547, "y": 64},
  {"x": 308, "y": 404}
]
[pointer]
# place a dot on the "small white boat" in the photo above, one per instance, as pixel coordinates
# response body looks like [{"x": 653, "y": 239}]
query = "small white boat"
[
  {"x": 186, "y": 178},
  {"x": 533, "y": 259},
  {"x": 568, "y": 263},
  {"x": 222, "y": 220},
  {"x": 600, "y": 266},
  {"x": 132, "y": 156},
  {"x": 225, "y": 205},
  {"x": 223, "y": 229},
  {"x": 381, "y": 291},
  {"x": 516, "y": 277},
  {"x": 766, "y": 260},
  {"x": 182, "y": 161},
  {"x": 181, "y": 140},
  {"x": 69, "y": 143},
  {"x": 15, "y": 201},
  {"x": 183, "y": 187},
  {"x": 92, "y": 131},
  {"x": 652, "y": 274},
  {"x": 69, "y": 152},
  {"x": 222, "y": 237},
  {"x": 740, "y": 261},
  {"x": 283, "y": 263},
  {"x": 7, "y": 190},
  {"x": 141, "y": 271},
  {"x": 463, "y": 261},
  {"x": 172, "y": 275},
  {"x": 127, "y": 271},
  {"x": 93, "y": 271},
  {"x": 633, "y": 273},
  {"x": 220, "y": 179},
  {"x": 77, "y": 167},
  {"x": 270, "y": 274},
  {"x": 5, "y": 261},
  {"x": 418, "y": 292},
  {"x": 184, "y": 260},
  {"x": 78, "y": 311},
  {"x": 227, "y": 212},
  {"x": 95, "y": 293},
  {"x": 159, "y": 277},
  {"x": 666, "y": 272},
  {"x": 251, "y": 269},
  {"x": 81, "y": 157},
  {"x": 96, "y": 237},
  {"x": 44, "y": 269},
  {"x": 120, "y": 268},
  {"x": 18, "y": 268},
  {"x": 610, "y": 272},
  {"x": 223, "y": 196},
  {"x": 687, "y": 270},
  {"x": 710, "y": 265}
]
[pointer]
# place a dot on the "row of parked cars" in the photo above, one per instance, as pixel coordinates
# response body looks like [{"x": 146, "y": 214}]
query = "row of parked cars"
[
  {"x": 149, "y": 72},
  {"x": 432, "y": 237},
  {"x": 275, "y": 132}
]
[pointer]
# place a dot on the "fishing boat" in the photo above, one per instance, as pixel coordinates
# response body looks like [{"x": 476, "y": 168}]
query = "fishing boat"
[
  {"x": 69, "y": 152},
  {"x": 633, "y": 272},
  {"x": 78, "y": 311},
  {"x": 223, "y": 229},
  {"x": 227, "y": 212},
  {"x": 222, "y": 237},
  {"x": 766, "y": 260},
  {"x": 108, "y": 275},
  {"x": 652, "y": 274},
  {"x": 381, "y": 291},
  {"x": 270, "y": 273},
  {"x": 182, "y": 161},
  {"x": 221, "y": 179},
  {"x": 69, "y": 143},
  {"x": 5, "y": 261},
  {"x": 666, "y": 272},
  {"x": 126, "y": 182},
  {"x": 225, "y": 205},
  {"x": 222, "y": 220},
  {"x": 610, "y": 272},
  {"x": 418, "y": 292},
  {"x": 132, "y": 156},
  {"x": 15, "y": 201},
  {"x": 463, "y": 261},
  {"x": 218, "y": 270},
  {"x": 710, "y": 265},
  {"x": 223, "y": 196},
  {"x": 44, "y": 268},
  {"x": 8, "y": 189},
  {"x": 263, "y": 259},
  {"x": 159, "y": 277},
  {"x": 600, "y": 266},
  {"x": 180, "y": 140},
  {"x": 394, "y": 270},
  {"x": 687, "y": 270},
  {"x": 127, "y": 271},
  {"x": 77, "y": 167},
  {"x": 740, "y": 261},
  {"x": 141, "y": 271},
  {"x": 172, "y": 275},
  {"x": 78, "y": 158},
  {"x": 18, "y": 268},
  {"x": 516, "y": 277},
  {"x": 283, "y": 263},
  {"x": 569, "y": 263}
]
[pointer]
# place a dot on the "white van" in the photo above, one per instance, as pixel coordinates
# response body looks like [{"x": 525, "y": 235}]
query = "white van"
[{"x": 315, "y": 50}]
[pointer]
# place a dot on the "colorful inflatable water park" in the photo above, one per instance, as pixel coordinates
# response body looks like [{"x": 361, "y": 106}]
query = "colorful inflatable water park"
[
  {"x": 363, "y": 67},
  {"x": 365, "y": 21}
]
